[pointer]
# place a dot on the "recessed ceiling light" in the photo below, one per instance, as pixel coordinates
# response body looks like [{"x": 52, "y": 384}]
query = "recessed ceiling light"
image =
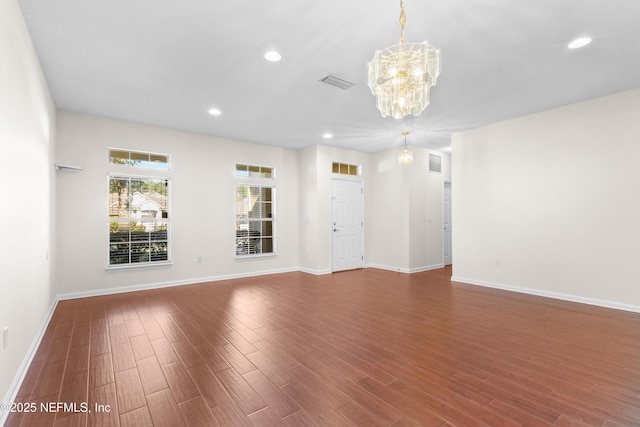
[
  {"x": 327, "y": 135},
  {"x": 272, "y": 56},
  {"x": 579, "y": 42},
  {"x": 215, "y": 112}
]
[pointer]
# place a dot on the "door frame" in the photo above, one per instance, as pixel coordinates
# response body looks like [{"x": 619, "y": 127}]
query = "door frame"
[{"x": 444, "y": 215}]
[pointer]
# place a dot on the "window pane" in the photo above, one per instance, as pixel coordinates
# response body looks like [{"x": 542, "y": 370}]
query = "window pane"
[
  {"x": 139, "y": 233},
  {"x": 265, "y": 210},
  {"x": 247, "y": 238},
  {"x": 119, "y": 254},
  {"x": 335, "y": 168},
  {"x": 267, "y": 228},
  {"x": 159, "y": 161},
  {"x": 266, "y": 194},
  {"x": 267, "y": 173},
  {"x": 138, "y": 158},
  {"x": 118, "y": 232},
  {"x": 254, "y": 171},
  {"x": 242, "y": 202},
  {"x": 353, "y": 170},
  {"x": 344, "y": 169},
  {"x": 118, "y": 157},
  {"x": 242, "y": 170},
  {"x": 139, "y": 252},
  {"x": 159, "y": 251},
  {"x": 267, "y": 245},
  {"x": 119, "y": 197}
]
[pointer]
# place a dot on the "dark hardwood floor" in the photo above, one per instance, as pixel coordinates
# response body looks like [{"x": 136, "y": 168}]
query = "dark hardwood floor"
[{"x": 366, "y": 347}]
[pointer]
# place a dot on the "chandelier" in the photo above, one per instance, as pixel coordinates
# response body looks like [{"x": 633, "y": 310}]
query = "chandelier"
[
  {"x": 406, "y": 156},
  {"x": 401, "y": 76}
]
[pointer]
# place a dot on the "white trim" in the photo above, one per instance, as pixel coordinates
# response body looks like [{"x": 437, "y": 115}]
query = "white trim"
[
  {"x": 426, "y": 268},
  {"x": 262, "y": 255},
  {"x": 315, "y": 272},
  {"x": 129, "y": 266},
  {"x": 548, "y": 294},
  {"x": 407, "y": 270},
  {"x": 67, "y": 168},
  {"x": 26, "y": 363},
  {"x": 144, "y": 287}
]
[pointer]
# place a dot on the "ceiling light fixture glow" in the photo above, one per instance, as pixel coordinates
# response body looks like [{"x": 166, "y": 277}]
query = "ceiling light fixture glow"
[
  {"x": 405, "y": 158},
  {"x": 402, "y": 75},
  {"x": 215, "y": 112},
  {"x": 272, "y": 56},
  {"x": 327, "y": 135},
  {"x": 579, "y": 42}
]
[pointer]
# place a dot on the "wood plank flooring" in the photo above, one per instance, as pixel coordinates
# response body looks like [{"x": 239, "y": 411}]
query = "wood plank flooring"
[{"x": 365, "y": 348}]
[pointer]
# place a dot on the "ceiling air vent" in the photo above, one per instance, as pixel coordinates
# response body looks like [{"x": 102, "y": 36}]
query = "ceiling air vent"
[
  {"x": 435, "y": 163},
  {"x": 337, "y": 82}
]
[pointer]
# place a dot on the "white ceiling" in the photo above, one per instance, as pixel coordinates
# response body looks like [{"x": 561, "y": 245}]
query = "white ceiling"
[{"x": 166, "y": 62}]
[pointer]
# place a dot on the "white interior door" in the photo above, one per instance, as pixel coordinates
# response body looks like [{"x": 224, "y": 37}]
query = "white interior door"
[
  {"x": 447, "y": 223},
  {"x": 347, "y": 230}
]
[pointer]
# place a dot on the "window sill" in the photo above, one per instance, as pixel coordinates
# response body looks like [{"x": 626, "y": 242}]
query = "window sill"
[
  {"x": 249, "y": 256},
  {"x": 138, "y": 265}
]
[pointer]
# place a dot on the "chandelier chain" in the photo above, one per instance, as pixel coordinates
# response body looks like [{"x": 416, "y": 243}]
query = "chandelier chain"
[{"x": 403, "y": 20}]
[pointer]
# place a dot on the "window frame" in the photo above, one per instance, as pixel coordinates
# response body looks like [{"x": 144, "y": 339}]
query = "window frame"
[
  {"x": 258, "y": 182},
  {"x": 344, "y": 169},
  {"x": 145, "y": 165},
  {"x": 139, "y": 220}
]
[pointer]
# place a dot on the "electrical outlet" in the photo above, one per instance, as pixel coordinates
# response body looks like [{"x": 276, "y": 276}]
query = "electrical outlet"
[
  {"x": 5, "y": 337},
  {"x": 498, "y": 262}
]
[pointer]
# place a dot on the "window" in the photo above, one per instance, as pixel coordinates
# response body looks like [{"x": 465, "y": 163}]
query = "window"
[
  {"x": 255, "y": 208},
  {"x": 138, "y": 220},
  {"x": 345, "y": 169},
  {"x": 254, "y": 220},
  {"x": 139, "y": 159},
  {"x": 250, "y": 171}
]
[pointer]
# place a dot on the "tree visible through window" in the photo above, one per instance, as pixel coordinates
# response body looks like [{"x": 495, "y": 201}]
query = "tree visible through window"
[{"x": 138, "y": 220}]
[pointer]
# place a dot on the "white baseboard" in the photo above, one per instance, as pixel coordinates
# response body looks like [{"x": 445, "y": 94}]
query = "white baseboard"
[
  {"x": 158, "y": 285},
  {"x": 315, "y": 272},
  {"x": 547, "y": 294},
  {"x": 26, "y": 363},
  {"x": 406, "y": 270}
]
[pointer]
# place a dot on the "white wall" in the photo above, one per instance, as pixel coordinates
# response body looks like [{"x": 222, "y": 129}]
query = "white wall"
[
  {"x": 202, "y": 204},
  {"x": 406, "y": 211},
  {"x": 27, "y": 118},
  {"x": 389, "y": 212},
  {"x": 426, "y": 223},
  {"x": 554, "y": 196},
  {"x": 311, "y": 259}
]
